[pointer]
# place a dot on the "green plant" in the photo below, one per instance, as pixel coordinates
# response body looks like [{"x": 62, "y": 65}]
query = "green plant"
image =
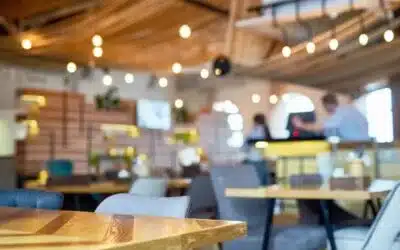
[
  {"x": 109, "y": 100},
  {"x": 181, "y": 115}
]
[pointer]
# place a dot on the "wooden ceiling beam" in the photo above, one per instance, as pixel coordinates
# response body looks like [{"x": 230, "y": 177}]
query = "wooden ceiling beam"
[{"x": 208, "y": 7}]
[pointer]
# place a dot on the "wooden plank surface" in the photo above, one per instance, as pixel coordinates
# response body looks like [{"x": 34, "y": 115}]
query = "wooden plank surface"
[
  {"x": 107, "y": 187},
  {"x": 280, "y": 192},
  {"x": 29, "y": 229}
]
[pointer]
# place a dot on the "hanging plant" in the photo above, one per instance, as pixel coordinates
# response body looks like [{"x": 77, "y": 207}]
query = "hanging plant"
[
  {"x": 181, "y": 115},
  {"x": 109, "y": 100}
]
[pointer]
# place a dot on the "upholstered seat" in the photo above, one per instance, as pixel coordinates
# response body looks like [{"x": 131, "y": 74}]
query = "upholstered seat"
[
  {"x": 31, "y": 199},
  {"x": 155, "y": 187}
]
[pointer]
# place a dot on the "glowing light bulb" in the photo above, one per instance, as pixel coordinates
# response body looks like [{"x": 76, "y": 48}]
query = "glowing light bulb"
[
  {"x": 176, "y": 68},
  {"x": 273, "y": 99},
  {"x": 129, "y": 78},
  {"x": 218, "y": 71},
  {"x": 97, "y": 40},
  {"x": 286, "y": 51},
  {"x": 185, "y": 31},
  {"x": 310, "y": 47},
  {"x": 71, "y": 67},
  {"x": 388, "y": 35},
  {"x": 163, "y": 82},
  {"x": 204, "y": 73},
  {"x": 255, "y": 98},
  {"x": 363, "y": 39},
  {"x": 178, "y": 103},
  {"x": 97, "y": 52},
  {"x": 107, "y": 80},
  {"x": 333, "y": 44},
  {"x": 26, "y": 44}
]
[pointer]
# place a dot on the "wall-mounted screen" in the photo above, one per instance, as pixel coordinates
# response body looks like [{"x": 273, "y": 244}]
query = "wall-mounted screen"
[{"x": 154, "y": 114}]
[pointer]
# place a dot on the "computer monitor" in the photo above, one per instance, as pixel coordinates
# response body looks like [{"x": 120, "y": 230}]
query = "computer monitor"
[{"x": 307, "y": 117}]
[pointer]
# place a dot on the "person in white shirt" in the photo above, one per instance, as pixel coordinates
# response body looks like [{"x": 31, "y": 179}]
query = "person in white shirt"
[{"x": 345, "y": 121}]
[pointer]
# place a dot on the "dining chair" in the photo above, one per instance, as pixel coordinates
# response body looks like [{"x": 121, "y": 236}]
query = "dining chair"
[
  {"x": 383, "y": 234},
  {"x": 202, "y": 198},
  {"x": 129, "y": 204},
  {"x": 26, "y": 198},
  {"x": 254, "y": 212},
  {"x": 60, "y": 168},
  {"x": 155, "y": 187}
]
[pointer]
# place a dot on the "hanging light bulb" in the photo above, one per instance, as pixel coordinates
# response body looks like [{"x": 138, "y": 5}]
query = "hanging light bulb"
[
  {"x": 204, "y": 73},
  {"x": 363, "y": 39},
  {"x": 107, "y": 80},
  {"x": 178, "y": 103},
  {"x": 286, "y": 51},
  {"x": 388, "y": 35},
  {"x": 71, "y": 67},
  {"x": 255, "y": 98},
  {"x": 26, "y": 44},
  {"x": 97, "y": 52},
  {"x": 176, "y": 68},
  {"x": 129, "y": 78},
  {"x": 163, "y": 82},
  {"x": 310, "y": 47},
  {"x": 97, "y": 40},
  {"x": 185, "y": 31},
  {"x": 333, "y": 44},
  {"x": 273, "y": 99}
]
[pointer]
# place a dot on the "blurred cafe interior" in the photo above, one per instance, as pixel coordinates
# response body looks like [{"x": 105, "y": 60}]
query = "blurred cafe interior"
[{"x": 200, "y": 124}]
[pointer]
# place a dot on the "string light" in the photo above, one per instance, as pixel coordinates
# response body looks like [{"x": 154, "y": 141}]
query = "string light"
[
  {"x": 26, "y": 44},
  {"x": 97, "y": 40},
  {"x": 185, "y": 31},
  {"x": 71, "y": 67},
  {"x": 178, "y": 103},
  {"x": 255, "y": 98},
  {"x": 273, "y": 99},
  {"x": 363, "y": 39},
  {"x": 163, "y": 82},
  {"x": 310, "y": 47},
  {"x": 97, "y": 52},
  {"x": 388, "y": 35},
  {"x": 286, "y": 51},
  {"x": 204, "y": 73},
  {"x": 129, "y": 78},
  {"x": 333, "y": 44},
  {"x": 217, "y": 71},
  {"x": 176, "y": 68},
  {"x": 107, "y": 80}
]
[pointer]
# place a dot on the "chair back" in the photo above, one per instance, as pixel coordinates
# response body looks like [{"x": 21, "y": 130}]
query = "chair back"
[
  {"x": 191, "y": 171},
  {"x": 129, "y": 204},
  {"x": 254, "y": 211},
  {"x": 156, "y": 187},
  {"x": 26, "y": 198},
  {"x": 60, "y": 168},
  {"x": 202, "y": 197},
  {"x": 386, "y": 227}
]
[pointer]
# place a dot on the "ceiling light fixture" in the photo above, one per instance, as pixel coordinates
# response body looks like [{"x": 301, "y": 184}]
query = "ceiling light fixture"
[
  {"x": 97, "y": 52},
  {"x": 129, "y": 78},
  {"x": 388, "y": 35},
  {"x": 286, "y": 51},
  {"x": 107, "y": 80},
  {"x": 363, "y": 39},
  {"x": 71, "y": 67},
  {"x": 176, "y": 68},
  {"x": 333, "y": 44},
  {"x": 204, "y": 73},
  {"x": 185, "y": 31},
  {"x": 163, "y": 82},
  {"x": 273, "y": 99},
  {"x": 310, "y": 47},
  {"x": 26, "y": 44},
  {"x": 178, "y": 103},
  {"x": 255, "y": 98},
  {"x": 97, "y": 40}
]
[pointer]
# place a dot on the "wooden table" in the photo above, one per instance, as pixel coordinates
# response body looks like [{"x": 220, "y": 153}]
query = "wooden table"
[
  {"x": 107, "y": 187},
  {"x": 28, "y": 229},
  {"x": 324, "y": 195}
]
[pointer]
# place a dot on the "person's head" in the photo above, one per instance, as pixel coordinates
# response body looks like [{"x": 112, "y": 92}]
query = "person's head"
[
  {"x": 330, "y": 103},
  {"x": 259, "y": 119}
]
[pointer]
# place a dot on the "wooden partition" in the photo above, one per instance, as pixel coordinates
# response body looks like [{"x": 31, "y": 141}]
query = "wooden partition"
[{"x": 65, "y": 123}]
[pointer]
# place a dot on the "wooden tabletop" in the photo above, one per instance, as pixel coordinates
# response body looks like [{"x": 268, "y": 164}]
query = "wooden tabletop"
[
  {"x": 28, "y": 229},
  {"x": 106, "y": 187},
  {"x": 281, "y": 192}
]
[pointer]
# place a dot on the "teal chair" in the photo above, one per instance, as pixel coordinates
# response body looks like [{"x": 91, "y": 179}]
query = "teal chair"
[{"x": 60, "y": 168}]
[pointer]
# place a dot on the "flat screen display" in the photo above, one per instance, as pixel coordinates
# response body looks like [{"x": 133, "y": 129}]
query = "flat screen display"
[{"x": 154, "y": 114}]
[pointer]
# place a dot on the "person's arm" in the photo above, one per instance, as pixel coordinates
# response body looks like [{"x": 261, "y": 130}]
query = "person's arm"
[{"x": 310, "y": 127}]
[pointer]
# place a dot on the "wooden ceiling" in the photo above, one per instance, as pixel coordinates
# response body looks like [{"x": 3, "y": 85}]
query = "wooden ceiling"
[{"x": 138, "y": 34}]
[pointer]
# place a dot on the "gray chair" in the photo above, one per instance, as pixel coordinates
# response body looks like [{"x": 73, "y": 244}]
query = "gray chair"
[
  {"x": 383, "y": 234},
  {"x": 128, "y": 204},
  {"x": 26, "y": 198},
  {"x": 254, "y": 212},
  {"x": 155, "y": 187},
  {"x": 202, "y": 198}
]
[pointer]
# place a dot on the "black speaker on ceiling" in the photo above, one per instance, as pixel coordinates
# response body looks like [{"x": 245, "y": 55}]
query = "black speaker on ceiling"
[{"x": 221, "y": 66}]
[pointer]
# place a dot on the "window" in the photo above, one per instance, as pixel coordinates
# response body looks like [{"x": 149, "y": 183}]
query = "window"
[
  {"x": 380, "y": 114},
  {"x": 295, "y": 103}
]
